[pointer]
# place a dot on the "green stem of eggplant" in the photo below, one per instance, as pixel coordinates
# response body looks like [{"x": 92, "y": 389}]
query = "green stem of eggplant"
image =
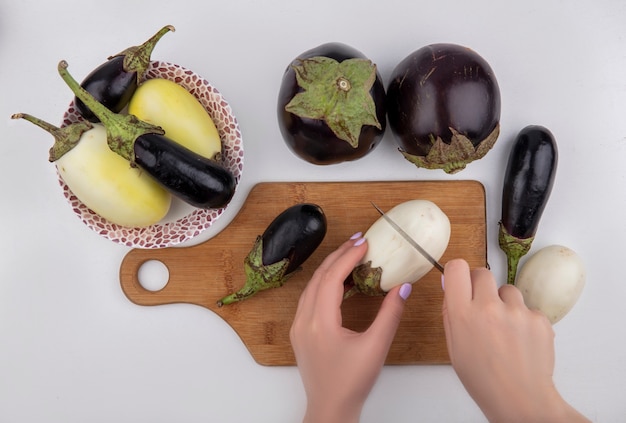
[
  {"x": 515, "y": 249},
  {"x": 65, "y": 138},
  {"x": 366, "y": 280},
  {"x": 260, "y": 281},
  {"x": 337, "y": 93},
  {"x": 259, "y": 277},
  {"x": 453, "y": 157},
  {"x": 246, "y": 292},
  {"x": 122, "y": 130},
  {"x": 512, "y": 262},
  {"x": 137, "y": 58}
]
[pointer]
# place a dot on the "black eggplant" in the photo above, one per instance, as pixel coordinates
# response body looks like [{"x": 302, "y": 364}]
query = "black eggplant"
[
  {"x": 331, "y": 105},
  {"x": 443, "y": 105},
  {"x": 195, "y": 179},
  {"x": 528, "y": 182},
  {"x": 285, "y": 245},
  {"x": 114, "y": 82},
  {"x": 199, "y": 181}
]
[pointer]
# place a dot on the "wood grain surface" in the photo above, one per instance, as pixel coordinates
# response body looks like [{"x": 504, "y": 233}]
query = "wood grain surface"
[{"x": 204, "y": 273}]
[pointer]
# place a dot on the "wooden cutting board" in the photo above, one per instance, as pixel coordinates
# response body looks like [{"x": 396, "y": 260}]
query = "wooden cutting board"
[{"x": 204, "y": 273}]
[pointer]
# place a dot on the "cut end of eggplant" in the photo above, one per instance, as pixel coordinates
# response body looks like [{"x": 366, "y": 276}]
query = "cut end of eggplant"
[{"x": 453, "y": 157}]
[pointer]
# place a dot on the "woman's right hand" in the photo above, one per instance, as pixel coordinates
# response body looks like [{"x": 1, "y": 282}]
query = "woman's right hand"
[{"x": 502, "y": 352}]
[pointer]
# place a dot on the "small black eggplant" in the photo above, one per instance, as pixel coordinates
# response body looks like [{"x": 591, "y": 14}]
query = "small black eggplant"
[
  {"x": 195, "y": 179},
  {"x": 443, "y": 105},
  {"x": 331, "y": 105},
  {"x": 527, "y": 186},
  {"x": 114, "y": 82},
  {"x": 285, "y": 245}
]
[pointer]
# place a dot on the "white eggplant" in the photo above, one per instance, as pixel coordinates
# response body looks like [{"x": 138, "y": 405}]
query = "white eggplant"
[
  {"x": 106, "y": 183},
  {"x": 552, "y": 280},
  {"x": 103, "y": 180},
  {"x": 390, "y": 260}
]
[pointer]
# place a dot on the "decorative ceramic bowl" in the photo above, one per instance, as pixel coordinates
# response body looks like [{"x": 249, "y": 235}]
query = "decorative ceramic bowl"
[{"x": 183, "y": 221}]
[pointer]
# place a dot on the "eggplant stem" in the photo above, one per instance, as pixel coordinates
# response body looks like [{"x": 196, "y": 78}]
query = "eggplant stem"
[
  {"x": 454, "y": 156},
  {"x": 65, "y": 138},
  {"x": 337, "y": 93},
  {"x": 246, "y": 292},
  {"x": 515, "y": 249},
  {"x": 512, "y": 262},
  {"x": 137, "y": 58},
  {"x": 350, "y": 292},
  {"x": 122, "y": 130},
  {"x": 366, "y": 280},
  {"x": 259, "y": 276},
  {"x": 48, "y": 127}
]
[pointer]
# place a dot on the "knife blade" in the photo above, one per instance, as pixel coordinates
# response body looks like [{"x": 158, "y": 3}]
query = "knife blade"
[{"x": 408, "y": 238}]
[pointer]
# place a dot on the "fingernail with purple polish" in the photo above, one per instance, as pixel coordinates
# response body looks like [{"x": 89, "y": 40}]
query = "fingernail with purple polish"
[
  {"x": 357, "y": 235},
  {"x": 405, "y": 290},
  {"x": 359, "y": 242}
]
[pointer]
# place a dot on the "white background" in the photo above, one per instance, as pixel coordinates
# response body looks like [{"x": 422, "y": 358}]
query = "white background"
[{"x": 74, "y": 349}]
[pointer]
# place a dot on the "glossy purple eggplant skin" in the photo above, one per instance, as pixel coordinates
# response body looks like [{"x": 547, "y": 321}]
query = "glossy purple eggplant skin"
[
  {"x": 195, "y": 179},
  {"x": 111, "y": 85},
  {"x": 294, "y": 234},
  {"x": 528, "y": 181},
  {"x": 437, "y": 87},
  {"x": 312, "y": 139}
]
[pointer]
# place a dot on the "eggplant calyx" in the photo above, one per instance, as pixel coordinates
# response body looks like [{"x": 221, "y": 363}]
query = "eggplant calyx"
[
  {"x": 259, "y": 277},
  {"x": 453, "y": 157},
  {"x": 514, "y": 248},
  {"x": 137, "y": 58},
  {"x": 122, "y": 130},
  {"x": 337, "y": 93},
  {"x": 65, "y": 138},
  {"x": 366, "y": 280}
]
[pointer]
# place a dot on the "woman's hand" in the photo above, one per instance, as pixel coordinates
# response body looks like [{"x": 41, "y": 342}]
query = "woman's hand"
[
  {"x": 502, "y": 352},
  {"x": 338, "y": 366}
]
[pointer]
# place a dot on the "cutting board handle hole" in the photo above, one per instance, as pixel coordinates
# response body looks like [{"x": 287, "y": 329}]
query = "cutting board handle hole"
[{"x": 153, "y": 275}]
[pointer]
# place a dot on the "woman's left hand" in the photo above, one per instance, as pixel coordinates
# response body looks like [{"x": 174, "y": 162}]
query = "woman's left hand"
[{"x": 339, "y": 366}]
